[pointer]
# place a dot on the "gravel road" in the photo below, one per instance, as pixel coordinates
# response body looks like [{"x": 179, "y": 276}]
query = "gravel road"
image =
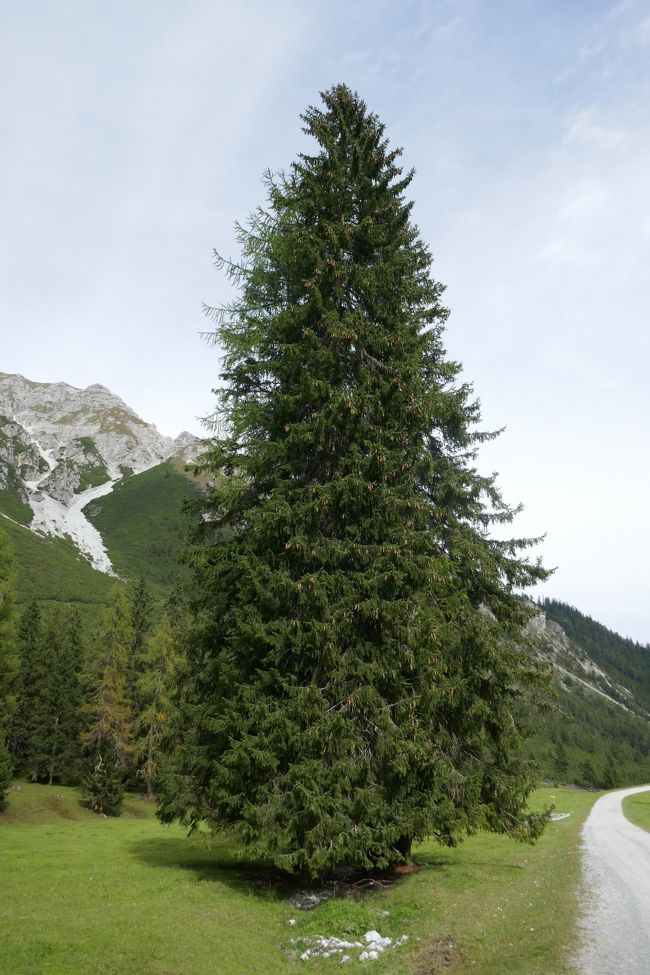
[{"x": 615, "y": 927}]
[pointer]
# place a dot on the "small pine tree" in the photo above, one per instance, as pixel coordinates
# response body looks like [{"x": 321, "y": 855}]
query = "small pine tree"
[
  {"x": 353, "y": 673},
  {"x": 102, "y": 781},
  {"x": 154, "y": 695},
  {"x": 107, "y": 739},
  {"x": 6, "y": 773}
]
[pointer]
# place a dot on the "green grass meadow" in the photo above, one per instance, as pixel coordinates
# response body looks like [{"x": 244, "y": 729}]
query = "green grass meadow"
[
  {"x": 637, "y": 809},
  {"x": 84, "y": 894}
]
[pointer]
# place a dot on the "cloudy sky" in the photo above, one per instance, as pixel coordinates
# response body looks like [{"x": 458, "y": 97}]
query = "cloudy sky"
[{"x": 132, "y": 136}]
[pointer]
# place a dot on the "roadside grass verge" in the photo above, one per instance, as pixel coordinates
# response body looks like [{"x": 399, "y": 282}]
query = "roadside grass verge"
[
  {"x": 126, "y": 896},
  {"x": 637, "y": 809}
]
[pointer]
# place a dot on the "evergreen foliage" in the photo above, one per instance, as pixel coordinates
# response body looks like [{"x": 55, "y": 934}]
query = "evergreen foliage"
[
  {"x": 153, "y": 713},
  {"x": 6, "y": 772},
  {"x": 8, "y": 655},
  {"x": 591, "y": 729},
  {"x": 31, "y": 725},
  {"x": 8, "y": 661},
  {"x": 107, "y": 739},
  {"x": 601, "y": 742},
  {"x": 103, "y": 781},
  {"x": 352, "y": 674},
  {"x": 141, "y": 606},
  {"x": 623, "y": 659},
  {"x": 45, "y": 732},
  {"x": 64, "y": 696}
]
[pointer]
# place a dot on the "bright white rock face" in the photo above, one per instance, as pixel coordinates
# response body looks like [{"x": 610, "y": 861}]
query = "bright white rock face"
[{"x": 62, "y": 447}]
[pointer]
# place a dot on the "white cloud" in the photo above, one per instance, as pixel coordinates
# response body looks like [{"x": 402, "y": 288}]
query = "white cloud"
[{"x": 584, "y": 128}]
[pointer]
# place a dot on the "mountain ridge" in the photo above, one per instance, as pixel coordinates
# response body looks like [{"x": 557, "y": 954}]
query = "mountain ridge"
[
  {"x": 61, "y": 448},
  {"x": 118, "y": 487}
]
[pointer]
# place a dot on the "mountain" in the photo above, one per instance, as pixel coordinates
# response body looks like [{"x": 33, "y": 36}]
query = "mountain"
[
  {"x": 597, "y": 731},
  {"x": 621, "y": 659},
  {"x": 62, "y": 448},
  {"x": 89, "y": 491},
  {"x": 91, "y": 495}
]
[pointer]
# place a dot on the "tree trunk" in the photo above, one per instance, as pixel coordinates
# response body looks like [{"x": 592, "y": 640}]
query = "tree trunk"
[
  {"x": 53, "y": 752},
  {"x": 150, "y": 794},
  {"x": 404, "y": 846}
]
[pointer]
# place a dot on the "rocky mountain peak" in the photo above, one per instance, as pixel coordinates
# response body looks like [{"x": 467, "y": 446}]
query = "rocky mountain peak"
[{"x": 61, "y": 447}]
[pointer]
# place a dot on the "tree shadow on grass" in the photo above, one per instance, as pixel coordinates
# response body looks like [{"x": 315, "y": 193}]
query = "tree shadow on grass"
[
  {"x": 217, "y": 862},
  {"x": 212, "y": 862}
]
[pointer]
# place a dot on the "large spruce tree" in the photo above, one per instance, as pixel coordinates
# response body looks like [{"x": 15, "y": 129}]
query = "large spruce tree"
[{"x": 352, "y": 680}]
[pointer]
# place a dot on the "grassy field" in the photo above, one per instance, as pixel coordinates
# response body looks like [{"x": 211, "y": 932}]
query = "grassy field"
[
  {"x": 79, "y": 893},
  {"x": 637, "y": 809},
  {"x": 15, "y": 509}
]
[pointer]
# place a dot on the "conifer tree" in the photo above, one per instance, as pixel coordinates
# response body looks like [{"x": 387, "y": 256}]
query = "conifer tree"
[
  {"x": 6, "y": 773},
  {"x": 177, "y": 608},
  {"x": 107, "y": 739},
  {"x": 154, "y": 696},
  {"x": 8, "y": 653},
  {"x": 352, "y": 678},
  {"x": 8, "y": 661},
  {"x": 64, "y": 696},
  {"x": 45, "y": 732},
  {"x": 140, "y": 624},
  {"x": 32, "y": 726},
  {"x": 561, "y": 760}
]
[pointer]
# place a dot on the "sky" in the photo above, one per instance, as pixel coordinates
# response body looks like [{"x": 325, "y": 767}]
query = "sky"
[{"x": 133, "y": 136}]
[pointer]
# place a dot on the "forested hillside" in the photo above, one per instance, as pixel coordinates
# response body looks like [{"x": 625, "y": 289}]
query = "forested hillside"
[
  {"x": 597, "y": 732},
  {"x": 624, "y": 659}
]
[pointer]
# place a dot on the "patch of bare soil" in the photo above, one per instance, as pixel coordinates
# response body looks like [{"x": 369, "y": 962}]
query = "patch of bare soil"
[
  {"x": 138, "y": 811},
  {"x": 57, "y": 804},
  {"x": 438, "y": 956}
]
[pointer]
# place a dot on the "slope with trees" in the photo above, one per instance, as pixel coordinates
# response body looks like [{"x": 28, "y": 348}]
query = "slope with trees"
[
  {"x": 598, "y": 734},
  {"x": 352, "y": 674},
  {"x": 623, "y": 659}
]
